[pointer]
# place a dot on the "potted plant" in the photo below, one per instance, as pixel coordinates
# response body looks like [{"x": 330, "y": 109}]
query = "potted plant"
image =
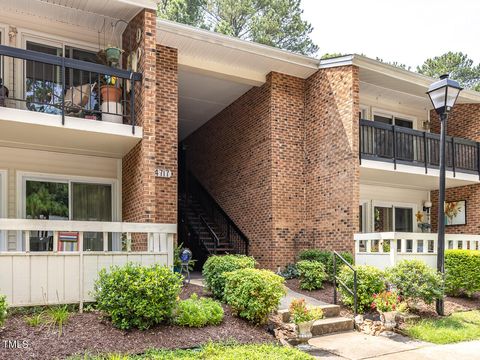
[
  {"x": 388, "y": 304},
  {"x": 111, "y": 94},
  {"x": 304, "y": 317},
  {"x": 112, "y": 54}
]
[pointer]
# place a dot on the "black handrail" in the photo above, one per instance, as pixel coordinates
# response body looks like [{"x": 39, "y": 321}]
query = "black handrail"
[
  {"x": 353, "y": 291},
  {"x": 212, "y": 233},
  {"x": 93, "y": 71},
  {"x": 227, "y": 226},
  {"x": 397, "y": 144}
]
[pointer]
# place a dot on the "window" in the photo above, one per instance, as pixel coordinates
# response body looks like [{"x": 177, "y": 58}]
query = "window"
[
  {"x": 51, "y": 199},
  {"x": 391, "y": 119},
  {"x": 393, "y": 218},
  {"x": 43, "y": 88}
]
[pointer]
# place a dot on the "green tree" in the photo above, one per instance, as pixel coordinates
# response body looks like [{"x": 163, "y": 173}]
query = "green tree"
[
  {"x": 46, "y": 198},
  {"x": 457, "y": 64},
  {"x": 276, "y": 23}
]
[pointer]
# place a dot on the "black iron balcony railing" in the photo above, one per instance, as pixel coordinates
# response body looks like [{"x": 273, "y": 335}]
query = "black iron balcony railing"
[
  {"x": 68, "y": 87},
  {"x": 400, "y": 145}
]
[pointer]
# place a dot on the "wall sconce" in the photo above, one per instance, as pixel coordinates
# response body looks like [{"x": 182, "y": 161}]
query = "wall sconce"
[{"x": 426, "y": 206}]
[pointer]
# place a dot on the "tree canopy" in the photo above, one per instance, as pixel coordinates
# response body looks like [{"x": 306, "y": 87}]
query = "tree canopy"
[
  {"x": 457, "y": 64},
  {"x": 276, "y": 23}
]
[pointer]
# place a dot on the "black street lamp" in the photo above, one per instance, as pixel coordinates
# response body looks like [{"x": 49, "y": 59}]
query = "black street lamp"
[{"x": 443, "y": 94}]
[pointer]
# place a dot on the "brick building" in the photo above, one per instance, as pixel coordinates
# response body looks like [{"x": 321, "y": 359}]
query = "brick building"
[{"x": 222, "y": 144}]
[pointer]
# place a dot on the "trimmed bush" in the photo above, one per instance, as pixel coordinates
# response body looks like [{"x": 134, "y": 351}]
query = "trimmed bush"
[
  {"x": 216, "y": 266},
  {"x": 370, "y": 281},
  {"x": 198, "y": 312},
  {"x": 290, "y": 272},
  {"x": 253, "y": 293},
  {"x": 415, "y": 280},
  {"x": 312, "y": 274},
  {"x": 3, "y": 309},
  {"x": 326, "y": 258},
  {"x": 462, "y": 272},
  {"x": 137, "y": 296}
]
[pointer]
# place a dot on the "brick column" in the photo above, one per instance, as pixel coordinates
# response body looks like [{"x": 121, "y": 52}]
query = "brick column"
[
  {"x": 145, "y": 197},
  {"x": 332, "y": 166}
]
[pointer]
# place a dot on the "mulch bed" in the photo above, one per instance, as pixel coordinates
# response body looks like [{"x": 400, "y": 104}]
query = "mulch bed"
[
  {"x": 452, "y": 304},
  {"x": 91, "y": 333}
]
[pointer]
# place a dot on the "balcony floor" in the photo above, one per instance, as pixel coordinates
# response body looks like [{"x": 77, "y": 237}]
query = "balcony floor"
[{"x": 27, "y": 129}]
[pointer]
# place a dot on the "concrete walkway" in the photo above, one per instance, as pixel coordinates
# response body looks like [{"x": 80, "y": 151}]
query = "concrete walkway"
[
  {"x": 287, "y": 299},
  {"x": 389, "y": 346}
]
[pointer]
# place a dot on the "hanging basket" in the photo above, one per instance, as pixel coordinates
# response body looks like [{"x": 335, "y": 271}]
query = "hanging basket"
[{"x": 113, "y": 54}]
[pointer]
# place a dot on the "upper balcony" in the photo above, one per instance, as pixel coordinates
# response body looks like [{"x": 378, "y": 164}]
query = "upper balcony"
[
  {"x": 416, "y": 152},
  {"x": 65, "y": 104}
]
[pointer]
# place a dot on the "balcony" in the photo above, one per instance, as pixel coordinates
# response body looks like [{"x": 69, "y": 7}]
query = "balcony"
[
  {"x": 400, "y": 145},
  {"x": 60, "y": 103}
]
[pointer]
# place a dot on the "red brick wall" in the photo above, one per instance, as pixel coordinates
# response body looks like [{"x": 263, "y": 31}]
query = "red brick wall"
[
  {"x": 282, "y": 162},
  {"x": 144, "y": 197},
  {"x": 231, "y": 156},
  {"x": 463, "y": 121},
  {"x": 332, "y": 167}
]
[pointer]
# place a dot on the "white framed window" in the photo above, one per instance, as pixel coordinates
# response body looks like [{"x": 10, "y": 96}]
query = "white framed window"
[
  {"x": 394, "y": 118},
  {"x": 393, "y": 216},
  {"x": 3, "y": 207},
  {"x": 60, "y": 197}
]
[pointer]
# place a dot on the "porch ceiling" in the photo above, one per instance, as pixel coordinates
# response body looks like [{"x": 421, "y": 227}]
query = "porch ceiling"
[{"x": 201, "y": 96}]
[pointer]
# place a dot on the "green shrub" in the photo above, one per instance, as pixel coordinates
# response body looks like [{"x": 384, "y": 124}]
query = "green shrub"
[
  {"x": 326, "y": 258},
  {"x": 137, "y": 296},
  {"x": 290, "y": 272},
  {"x": 3, "y": 309},
  {"x": 253, "y": 293},
  {"x": 198, "y": 312},
  {"x": 312, "y": 274},
  {"x": 415, "y": 280},
  {"x": 216, "y": 266},
  {"x": 370, "y": 281},
  {"x": 462, "y": 272}
]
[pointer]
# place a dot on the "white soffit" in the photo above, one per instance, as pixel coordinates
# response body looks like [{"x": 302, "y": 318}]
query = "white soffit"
[
  {"x": 228, "y": 57},
  {"x": 201, "y": 97},
  {"x": 86, "y": 14},
  {"x": 403, "y": 81}
]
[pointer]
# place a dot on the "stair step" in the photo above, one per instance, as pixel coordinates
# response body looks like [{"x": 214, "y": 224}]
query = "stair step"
[
  {"x": 329, "y": 311},
  {"x": 331, "y": 325}
]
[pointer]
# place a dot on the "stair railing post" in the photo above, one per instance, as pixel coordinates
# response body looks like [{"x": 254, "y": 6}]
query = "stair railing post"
[
  {"x": 334, "y": 279},
  {"x": 355, "y": 292}
]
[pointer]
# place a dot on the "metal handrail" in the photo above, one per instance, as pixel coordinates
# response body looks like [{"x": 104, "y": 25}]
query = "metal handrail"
[
  {"x": 63, "y": 64},
  {"x": 353, "y": 291},
  {"x": 212, "y": 233}
]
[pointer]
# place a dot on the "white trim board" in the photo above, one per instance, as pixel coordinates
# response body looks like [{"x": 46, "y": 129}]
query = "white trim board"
[{"x": 3, "y": 206}]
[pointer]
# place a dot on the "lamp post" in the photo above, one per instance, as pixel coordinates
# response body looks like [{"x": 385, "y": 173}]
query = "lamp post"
[{"x": 443, "y": 94}]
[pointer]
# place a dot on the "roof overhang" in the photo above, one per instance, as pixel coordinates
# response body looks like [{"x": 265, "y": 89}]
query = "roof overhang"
[{"x": 230, "y": 58}]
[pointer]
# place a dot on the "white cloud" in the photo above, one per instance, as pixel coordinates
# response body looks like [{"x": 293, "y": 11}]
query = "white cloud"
[{"x": 406, "y": 31}]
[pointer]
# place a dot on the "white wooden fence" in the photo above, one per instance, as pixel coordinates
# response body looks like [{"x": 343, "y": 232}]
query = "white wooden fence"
[
  {"x": 385, "y": 249},
  {"x": 61, "y": 277}
]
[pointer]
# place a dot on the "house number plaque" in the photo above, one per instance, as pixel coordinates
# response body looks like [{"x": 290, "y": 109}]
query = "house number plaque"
[{"x": 163, "y": 173}]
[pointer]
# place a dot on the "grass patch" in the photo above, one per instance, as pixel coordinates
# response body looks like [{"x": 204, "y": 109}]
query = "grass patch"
[
  {"x": 215, "y": 352},
  {"x": 461, "y": 326}
]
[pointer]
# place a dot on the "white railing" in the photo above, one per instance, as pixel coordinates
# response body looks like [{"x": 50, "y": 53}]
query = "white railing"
[
  {"x": 385, "y": 249},
  {"x": 59, "y": 277}
]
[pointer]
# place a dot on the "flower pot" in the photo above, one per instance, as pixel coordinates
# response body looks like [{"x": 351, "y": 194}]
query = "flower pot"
[
  {"x": 113, "y": 54},
  {"x": 305, "y": 330},
  {"x": 110, "y": 93},
  {"x": 388, "y": 319}
]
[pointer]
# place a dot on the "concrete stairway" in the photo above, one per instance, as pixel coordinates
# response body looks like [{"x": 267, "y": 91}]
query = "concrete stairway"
[{"x": 331, "y": 323}]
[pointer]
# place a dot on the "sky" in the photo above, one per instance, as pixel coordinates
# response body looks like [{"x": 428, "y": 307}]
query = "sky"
[{"x": 406, "y": 31}]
